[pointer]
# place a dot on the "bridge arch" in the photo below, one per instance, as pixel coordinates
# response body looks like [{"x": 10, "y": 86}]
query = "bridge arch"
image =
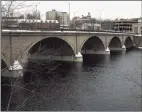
[
  {"x": 115, "y": 43},
  {"x": 128, "y": 42},
  {"x": 4, "y": 60},
  {"x": 60, "y": 46},
  {"x": 93, "y": 43},
  {"x": 3, "y": 64}
]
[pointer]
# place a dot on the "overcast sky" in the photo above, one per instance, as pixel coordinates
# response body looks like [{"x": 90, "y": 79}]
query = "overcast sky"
[{"x": 97, "y": 9}]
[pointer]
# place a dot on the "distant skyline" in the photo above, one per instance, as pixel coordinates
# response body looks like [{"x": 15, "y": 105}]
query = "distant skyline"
[{"x": 97, "y": 9}]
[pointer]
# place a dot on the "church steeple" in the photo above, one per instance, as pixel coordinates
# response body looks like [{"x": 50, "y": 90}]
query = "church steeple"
[{"x": 89, "y": 15}]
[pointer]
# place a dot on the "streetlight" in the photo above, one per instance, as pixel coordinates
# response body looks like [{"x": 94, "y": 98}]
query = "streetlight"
[
  {"x": 36, "y": 13},
  {"x": 74, "y": 20},
  {"x": 141, "y": 32},
  {"x": 69, "y": 11},
  {"x": 100, "y": 12}
]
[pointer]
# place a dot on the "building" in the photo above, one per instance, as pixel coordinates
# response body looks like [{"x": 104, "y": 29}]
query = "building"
[
  {"x": 81, "y": 22},
  {"x": 51, "y": 15},
  {"x": 90, "y": 26},
  {"x": 124, "y": 24},
  {"x": 62, "y": 17},
  {"x": 46, "y": 25},
  {"x": 87, "y": 17},
  {"x": 137, "y": 27},
  {"x": 9, "y": 22},
  {"x": 97, "y": 27}
]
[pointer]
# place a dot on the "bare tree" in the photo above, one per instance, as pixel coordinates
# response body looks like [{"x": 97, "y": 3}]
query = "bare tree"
[
  {"x": 11, "y": 7},
  {"x": 33, "y": 15},
  {"x": 38, "y": 67}
]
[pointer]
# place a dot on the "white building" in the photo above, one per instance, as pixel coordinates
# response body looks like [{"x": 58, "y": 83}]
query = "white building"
[
  {"x": 97, "y": 27},
  {"x": 62, "y": 17},
  {"x": 137, "y": 27},
  {"x": 51, "y": 15},
  {"x": 89, "y": 26}
]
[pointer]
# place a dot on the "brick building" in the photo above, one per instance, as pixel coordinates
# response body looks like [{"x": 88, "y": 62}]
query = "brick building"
[{"x": 47, "y": 25}]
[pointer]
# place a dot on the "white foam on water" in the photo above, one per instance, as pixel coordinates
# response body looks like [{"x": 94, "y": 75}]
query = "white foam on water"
[
  {"x": 107, "y": 49},
  {"x": 140, "y": 47},
  {"x": 16, "y": 66},
  {"x": 123, "y": 47},
  {"x": 78, "y": 55}
]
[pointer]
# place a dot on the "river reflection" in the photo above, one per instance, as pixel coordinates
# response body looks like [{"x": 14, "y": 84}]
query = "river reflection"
[{"x": 101, "y": 82}]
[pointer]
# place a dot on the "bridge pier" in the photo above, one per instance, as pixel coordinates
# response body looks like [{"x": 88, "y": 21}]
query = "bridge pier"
[
  {"x": 16, "y": 66},
  {"x": 15, "y": 70},
  {"x": 76, "y": 58},
  {"x": 107, "y": 51},
  {"x": 123, "y": 48},
  {"x": 117, "y": 49}
]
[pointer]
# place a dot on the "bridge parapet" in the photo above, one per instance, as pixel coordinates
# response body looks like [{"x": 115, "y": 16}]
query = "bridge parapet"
[{"x": 63, "y": 33}]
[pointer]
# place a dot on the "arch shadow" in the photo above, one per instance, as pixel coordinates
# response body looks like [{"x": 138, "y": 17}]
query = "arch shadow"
[
  {"x": 3, "y": 64},
  {"x": 115, "y": 43},
  {"x": 128, "y": 43},
  {"x": 92, "y": 44},
  {"x": 52, "y": 46}
]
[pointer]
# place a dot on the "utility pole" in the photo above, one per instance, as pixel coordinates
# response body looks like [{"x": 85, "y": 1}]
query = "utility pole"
[
  {"x": 69, "y": 13},
  {"x": 99, "y": 17},
  {"x": 141, "y": 20},
  {"x": 69, "y": 10},
  {"x": 63, "y": 21},
  {"x": 36, "y": 15},
  {"x": 100, "y": 20},
  {"x": 74, "y": 20},
  {"x": 141, "y": 34}
]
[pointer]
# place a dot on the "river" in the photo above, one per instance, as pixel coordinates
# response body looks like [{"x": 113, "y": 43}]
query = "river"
[{"x": 101, "y": 83}]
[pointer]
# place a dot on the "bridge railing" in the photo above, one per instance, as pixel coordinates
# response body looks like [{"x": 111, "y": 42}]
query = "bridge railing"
[
  {"x": 90, "y": 30},
  {"x": 77, "y": 30}
]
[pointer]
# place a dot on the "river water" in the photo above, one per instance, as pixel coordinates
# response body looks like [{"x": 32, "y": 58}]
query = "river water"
[{"x": 101, "y": 83}]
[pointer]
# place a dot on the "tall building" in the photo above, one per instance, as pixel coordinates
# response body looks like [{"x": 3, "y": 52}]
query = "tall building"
[
  {"x": 124, "y": 24},
  {"x": 80, "y": 22},
  {"x": 62, "y": 17},
  {"x": 51, "y": 15}
]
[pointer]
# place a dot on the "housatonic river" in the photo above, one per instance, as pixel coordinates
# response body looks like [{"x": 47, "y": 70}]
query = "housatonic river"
[{"x": 101, "y": 82}]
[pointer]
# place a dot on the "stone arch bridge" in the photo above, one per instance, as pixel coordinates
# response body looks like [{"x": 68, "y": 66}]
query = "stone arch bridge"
[{"x": 16, "y": 45}]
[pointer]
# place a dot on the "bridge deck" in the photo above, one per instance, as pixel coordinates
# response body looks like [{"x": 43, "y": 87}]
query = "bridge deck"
[{"x": 67, "y": 32}]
